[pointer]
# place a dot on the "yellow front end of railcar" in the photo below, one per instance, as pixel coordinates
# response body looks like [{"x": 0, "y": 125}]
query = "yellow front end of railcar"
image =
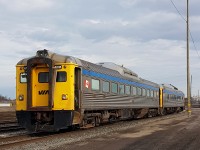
[
  {"x": 161, "y": 97},
  {"x": 21, "y": 88},
  {"x": 44, "y": 96},
  {"x": 161, "y": 107},
  {"x": 45, "y": 91},
  {"x": 63, "y": 87}
]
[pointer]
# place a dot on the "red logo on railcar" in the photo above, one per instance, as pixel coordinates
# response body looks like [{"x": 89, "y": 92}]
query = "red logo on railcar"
[{"x": 87, "y": 83}]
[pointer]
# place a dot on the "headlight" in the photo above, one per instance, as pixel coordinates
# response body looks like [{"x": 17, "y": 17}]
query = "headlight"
[
  {"x": 64, "y": 97},
  {"x": 21, "y": 97}
]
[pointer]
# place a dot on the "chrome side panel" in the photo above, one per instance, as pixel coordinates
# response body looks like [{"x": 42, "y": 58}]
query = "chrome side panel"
[{"x": 95, "y": 101}]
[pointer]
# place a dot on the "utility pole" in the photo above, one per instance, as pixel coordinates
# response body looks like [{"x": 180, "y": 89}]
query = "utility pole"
[
  {"x": 188, "y": 65},
  {"x": 191, "y": 88}
]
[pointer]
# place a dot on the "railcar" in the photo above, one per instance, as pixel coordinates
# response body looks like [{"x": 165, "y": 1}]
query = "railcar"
[
  {"x": 55, "y": 92},
  {"x": 173, "y": 99}
]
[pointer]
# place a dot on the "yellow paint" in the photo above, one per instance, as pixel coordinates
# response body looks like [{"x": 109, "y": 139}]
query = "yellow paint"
[
  {"x": 161, "y": 98},
  {"x": 59, "y": 89},
  {"x": 21, "y": 89},
  {"x": 65, "y": 88},
  {"x": 39, "y": 99}
]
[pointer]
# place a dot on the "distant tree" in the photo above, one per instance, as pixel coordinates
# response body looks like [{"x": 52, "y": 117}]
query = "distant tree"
[{"x": 4, "y": 98}]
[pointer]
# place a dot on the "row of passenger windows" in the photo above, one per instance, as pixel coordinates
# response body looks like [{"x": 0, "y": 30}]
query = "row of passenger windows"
[
  {"x": 122, "y": 89},
  {"x": 170, "y": 96}
]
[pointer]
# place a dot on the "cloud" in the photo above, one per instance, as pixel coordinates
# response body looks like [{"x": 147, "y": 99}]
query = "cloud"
[
  {"x": 26, "y": 5},
  {"x": 145, "y": 36}
]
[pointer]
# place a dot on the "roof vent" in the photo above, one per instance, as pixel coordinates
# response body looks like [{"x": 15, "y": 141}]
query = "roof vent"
[{"x": 122, "y": 70}]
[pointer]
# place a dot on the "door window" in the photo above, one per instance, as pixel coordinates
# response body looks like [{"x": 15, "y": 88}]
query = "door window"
[
  {"x": 61, "y": 76},
  {"x": 43, "y": 77}
]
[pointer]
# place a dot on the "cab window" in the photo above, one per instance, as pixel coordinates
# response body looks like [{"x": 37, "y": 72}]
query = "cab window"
[
  {"x": 23, "y": 77},
  {"x": 61, "y": 76}
]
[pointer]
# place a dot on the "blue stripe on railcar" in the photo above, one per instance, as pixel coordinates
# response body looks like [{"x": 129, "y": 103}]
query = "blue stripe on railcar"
[{"x": 117, "y": 79}]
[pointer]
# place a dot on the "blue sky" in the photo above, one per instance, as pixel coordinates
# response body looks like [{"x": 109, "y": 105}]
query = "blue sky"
[{"x": 148, "y": 37}]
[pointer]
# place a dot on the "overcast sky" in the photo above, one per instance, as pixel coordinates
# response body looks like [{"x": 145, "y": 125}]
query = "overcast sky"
[{"x": 146, "y": 36}]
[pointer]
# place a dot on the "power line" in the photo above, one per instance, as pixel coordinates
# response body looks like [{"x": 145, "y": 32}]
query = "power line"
[
  {"x": 189, "y": 30},
  {"x": 194, "y": 44},
  {"x": 178, "y": 11}
]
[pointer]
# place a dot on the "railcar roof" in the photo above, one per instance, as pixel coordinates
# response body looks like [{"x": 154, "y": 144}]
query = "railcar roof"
[
  {"x": 117, "y": 71},
  {"x": 57, "y": 58}
]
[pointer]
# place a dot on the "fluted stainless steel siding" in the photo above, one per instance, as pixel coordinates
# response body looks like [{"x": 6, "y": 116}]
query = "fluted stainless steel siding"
[{"x": 94, "y": 101}]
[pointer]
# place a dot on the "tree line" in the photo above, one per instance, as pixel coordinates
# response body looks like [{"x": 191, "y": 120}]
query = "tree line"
[{"x": 4, "y": 98}]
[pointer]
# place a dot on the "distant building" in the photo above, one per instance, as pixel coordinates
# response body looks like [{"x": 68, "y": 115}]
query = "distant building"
[{"x": 5, "y": 103}]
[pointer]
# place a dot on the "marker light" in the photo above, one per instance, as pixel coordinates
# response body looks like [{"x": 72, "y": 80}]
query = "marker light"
[
  {"x": 58, "y": 67},
  {"x": 64, "y": 97},
  {"x": 21, "y": 97}
]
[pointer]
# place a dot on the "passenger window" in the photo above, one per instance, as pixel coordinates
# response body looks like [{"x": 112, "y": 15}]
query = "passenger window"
[
  {"x": 157, "y": 94},
  {"x": 151, "y": 93},
  {"x": 168, "y": 96},
  {"x": 121, "y": 89},
  {"x": 164, "y": 95},
  {"x": 154, "y": 93},
  {"x": 95, "y": 84},
  {"x": 114, "y": 88},
  {"x": 134, "y": 91},
  {"x": 148, "y": 93},
  {"x": 61, "y": 76},
  {"x": 106, "y": 86},
  {"x": 128, "y": 90},
  {"x": 139, "y": 91},
  {"x": 143, "y": 92},
  {"x": 23, "y": 77},
  {"x": 43, "y": 77}
]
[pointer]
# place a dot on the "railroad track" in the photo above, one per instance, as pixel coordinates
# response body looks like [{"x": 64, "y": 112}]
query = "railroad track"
[
  {"x": 9, "y": 126},
  {"x": 25, "y": 140},
  {"x": 17, "y": 140}
]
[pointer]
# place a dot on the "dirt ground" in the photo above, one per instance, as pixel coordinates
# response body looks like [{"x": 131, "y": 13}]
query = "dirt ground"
[
  {"x": 181, "y": 133},
  {"x": 7, "y": 109},
  {"x": 7, "y": 114}
]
